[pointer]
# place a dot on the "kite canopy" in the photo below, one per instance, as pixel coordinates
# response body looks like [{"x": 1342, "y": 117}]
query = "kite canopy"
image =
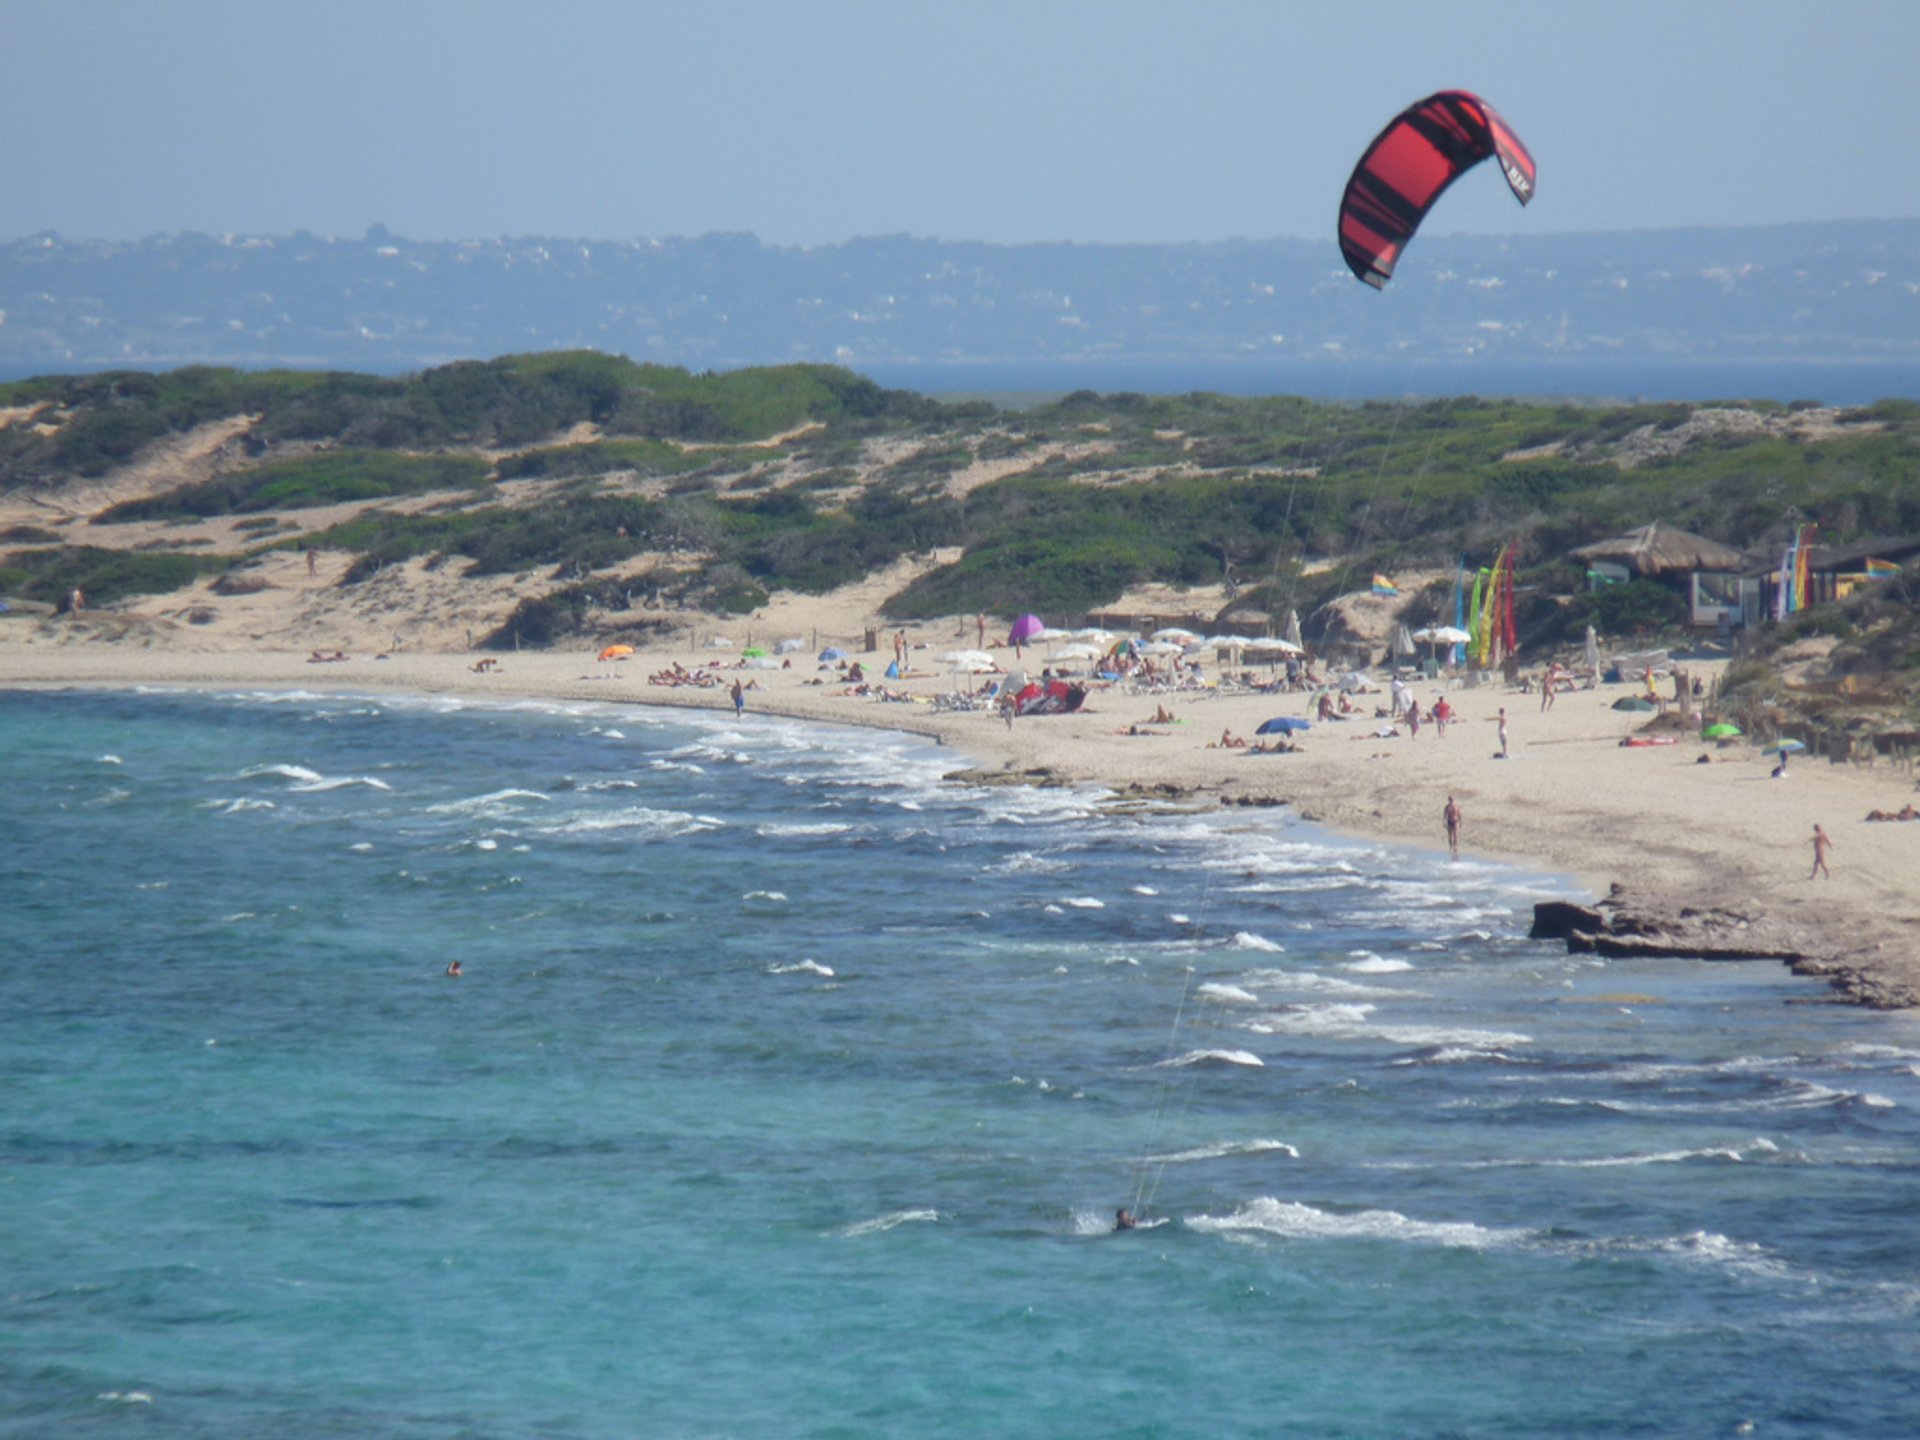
[{"x": 1410, "y": 163}]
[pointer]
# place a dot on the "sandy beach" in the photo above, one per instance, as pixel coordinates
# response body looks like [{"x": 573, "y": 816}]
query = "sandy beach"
[{"x": 1570, "y": 799}]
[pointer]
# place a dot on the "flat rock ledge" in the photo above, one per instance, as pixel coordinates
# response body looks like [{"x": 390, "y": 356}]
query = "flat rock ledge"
[{"x": 1630, "y": 925}]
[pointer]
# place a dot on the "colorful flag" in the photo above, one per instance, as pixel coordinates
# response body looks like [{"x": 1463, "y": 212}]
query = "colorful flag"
[
  {"x": 1383, "y": 586},
  {"x": 1881, "y": 569}
]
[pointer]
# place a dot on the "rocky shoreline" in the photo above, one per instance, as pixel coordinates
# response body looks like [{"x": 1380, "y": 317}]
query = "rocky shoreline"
[{"x": 1630, "y": 925}]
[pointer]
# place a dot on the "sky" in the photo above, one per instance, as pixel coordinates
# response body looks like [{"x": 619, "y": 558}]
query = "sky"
[{"x": 819, "y": 121}]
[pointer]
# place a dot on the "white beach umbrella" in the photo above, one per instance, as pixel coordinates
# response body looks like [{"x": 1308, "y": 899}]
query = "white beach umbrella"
[
  {"x": 1176, "y": 634},
  {"x": 1272, "y": 645},
  {"x": 974, "y": 660},
  {"x": 1159, "y": 648},
  {"x": 1094, "y": 636},
  {"x": 1077, "y": 652}
]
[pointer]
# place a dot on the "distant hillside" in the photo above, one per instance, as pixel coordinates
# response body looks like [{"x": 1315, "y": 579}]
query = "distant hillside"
[
  {"x": 592, "y": 490},
  {"x": 1842, "y": 294}
]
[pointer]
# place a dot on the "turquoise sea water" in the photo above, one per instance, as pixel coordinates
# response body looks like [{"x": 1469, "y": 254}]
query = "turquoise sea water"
[{"x": 790, "y": 1091}]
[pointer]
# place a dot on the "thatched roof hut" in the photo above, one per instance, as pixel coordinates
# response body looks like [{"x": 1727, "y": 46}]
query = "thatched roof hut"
[{"x": 1658, "y": 549}]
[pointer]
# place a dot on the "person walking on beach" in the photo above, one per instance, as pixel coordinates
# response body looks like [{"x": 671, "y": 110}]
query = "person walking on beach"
[
  {"x": 1452, "y": 814},
  {"x": 739, "y": 699},
  {"x": 1822, "y": 843},
  {"x": 1503, "y": 732}
]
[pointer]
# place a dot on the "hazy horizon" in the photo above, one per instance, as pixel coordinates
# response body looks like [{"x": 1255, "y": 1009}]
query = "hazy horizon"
[{"x": 1133, "y": 122}]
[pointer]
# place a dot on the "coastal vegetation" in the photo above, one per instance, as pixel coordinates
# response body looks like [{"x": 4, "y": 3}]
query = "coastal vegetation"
[{"x": 610, "y": 486}]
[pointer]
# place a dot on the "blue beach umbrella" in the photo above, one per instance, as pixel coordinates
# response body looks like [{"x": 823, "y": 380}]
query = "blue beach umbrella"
[
  {"x": 833, "y": 652},
  {"x": 1784, "y": 747},
  {"x": 1282, "y": 725}
]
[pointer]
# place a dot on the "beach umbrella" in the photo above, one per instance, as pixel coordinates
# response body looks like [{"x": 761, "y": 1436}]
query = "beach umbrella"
[
  {"x": 1160, "y": 648},
  {"x": 1593, "y": 651},
  {"x": 1094, "y": 635},
  {"x": 1077, "y": 652},
  {"x": 1722, "y": 731},
  {"x": 753, "y": 652},
  {"x": 1050, "y": 634},
  {"x": 1027, "y": 627},
  {"x": 1175, "y": 634},
  {"x": 1784, "y": 747},
  {"x": 1272, "y": 645},
  {"x": 833, "y": 652},
  {"x": 1442, "y": 635},
  {"x": 616, "y": 652},
  {"x": 968, "y": 660},
  {"x": 787, "y": 647},
  {"x": 1283, "y": 725},
  {"x": 1293, "y": 630}
]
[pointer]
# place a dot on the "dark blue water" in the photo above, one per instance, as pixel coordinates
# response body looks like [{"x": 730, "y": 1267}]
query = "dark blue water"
[
  {"x": 790, "y": 1090},
  {"x": 1784, "y": 381}
]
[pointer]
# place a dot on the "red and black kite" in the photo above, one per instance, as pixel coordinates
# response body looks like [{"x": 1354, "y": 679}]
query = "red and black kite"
[{"x": 1425, "y": 149}]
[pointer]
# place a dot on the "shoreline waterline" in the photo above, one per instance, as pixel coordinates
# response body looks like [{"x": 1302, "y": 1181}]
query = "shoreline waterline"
[{"x": 1570, "y": 801}]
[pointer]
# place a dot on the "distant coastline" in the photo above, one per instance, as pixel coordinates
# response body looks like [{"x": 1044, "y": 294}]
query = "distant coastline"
[{"x": 1831, "y": 382}]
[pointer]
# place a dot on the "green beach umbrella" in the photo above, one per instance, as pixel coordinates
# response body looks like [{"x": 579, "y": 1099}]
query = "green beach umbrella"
[{"x": 1722, "y": 731}]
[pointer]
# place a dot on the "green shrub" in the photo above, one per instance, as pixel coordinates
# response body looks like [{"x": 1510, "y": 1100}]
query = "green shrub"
[
  {"x": 105, "y": 575},
  {"x": 330, "y": 478}
]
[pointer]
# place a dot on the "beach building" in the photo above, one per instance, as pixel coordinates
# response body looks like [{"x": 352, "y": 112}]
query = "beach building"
[
  {"x": 1833, "y": 572},
  {"x": 1714, "y": 579}
]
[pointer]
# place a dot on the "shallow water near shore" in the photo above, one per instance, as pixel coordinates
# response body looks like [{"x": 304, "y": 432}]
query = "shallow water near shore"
[{"x": 790, "y": 1090}]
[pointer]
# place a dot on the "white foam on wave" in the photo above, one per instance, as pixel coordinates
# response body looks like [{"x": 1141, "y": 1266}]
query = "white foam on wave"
[
  {"x": 342, "y": 782},
  {"x": 1365, "y": 962},
  {"x": 882, "y": 1223},
  {"x": 636, "y": 817},
  {"x": 1794, "y": 1094},
  {"x": 240, "y": 806},
  {"x": 1346, "y": 1020},
  {"x": 1224, "y": 1150},
  {"x": 106, "y": 760},
  {"x": 1312, "y": 982},
  {"x": 1027, "y": 862},
  {"x": 1718, "y": 1153},
  {"x": 777, "y": 897},
  {"x": 286, "y": 772},
  {"x": 775, "y": 831},
  {"x": 1143, "y": 890},
  {"x": 1459, "y": 1055},
  {"x": 492, "y": 800},
  {"x": 1084, "y": 902},
  {"x": 1247, "y": 940},
  {"x": 684, "y": 766},
  {"x": 1291, "y": 1220},
  {"x": 802, "y": 967},
  {"x": 1227, "y": 994},
  {"x": 1244, "y": 1058}
]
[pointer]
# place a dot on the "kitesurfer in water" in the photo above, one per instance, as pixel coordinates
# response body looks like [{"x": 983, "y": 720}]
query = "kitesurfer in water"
[{"x": 1123, "y": 1219}]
